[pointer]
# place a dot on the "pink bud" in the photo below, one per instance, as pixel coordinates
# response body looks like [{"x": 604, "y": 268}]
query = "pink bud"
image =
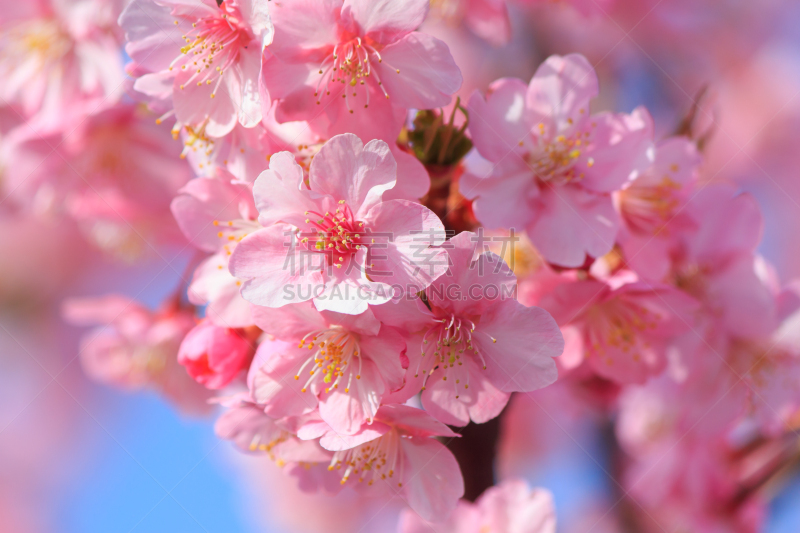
[{"x": 213, "y": 355}]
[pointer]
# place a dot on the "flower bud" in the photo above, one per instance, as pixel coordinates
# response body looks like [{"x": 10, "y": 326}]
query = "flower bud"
[{"x": 214, "y": 355}]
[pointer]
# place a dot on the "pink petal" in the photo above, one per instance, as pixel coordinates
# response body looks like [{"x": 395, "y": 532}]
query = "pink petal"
[
  {"x": 480, "y": 403},
  {"x": 512, "y": 506},
  {"x": 526, "y": 341},
  {"x": 412, "y": 421},
  {"x": 572, "y": 223},
  {"x": 503, "y": 194},
  {"x": 275, "y": 387},
  {"x": 386, "y": 21},
  {"x": 407, "y": 261},
  {"x": 477, "y": 277},
  {"x": 428, "y": 74},
  {"x": 727, "y": 223},
  {"x": 620, "y": 149},
  {"x": 214, "y": 285},
  {"x": 303, "y": 27},
  {"x": 462, "y": 520},
  {"x": 561, "y": 87},
  {"x": 347, "y": 170},
  {"x": 346, "y": 409},
  {"x": 431, "y": 478},
  {"x": 364, "y": 324},
  {"x": 280, "y": 194},
  {"x": 368, "y": 114},
  {"x": 489, "y": 20},
  {"x": 744, "y": 304},
  {"x": 247, "y": 75},
  {"x": 203, "y": 201},
  {"x": 275, "y": 274},
  {"x": 290, "y": 322},
  {"x": 194, "y": 105},
  {"x": 386, "y": 352},
  {"x": 336, "y": 442},
  {"x": 409, "y": 315},
  {"x": 151, "y": 34},
  {"x": 413, "y": 181},
  {"x": 501, "y": 121}
]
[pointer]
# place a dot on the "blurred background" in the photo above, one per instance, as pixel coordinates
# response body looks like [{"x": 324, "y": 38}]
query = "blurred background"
[{"x": 82, "y": 457}]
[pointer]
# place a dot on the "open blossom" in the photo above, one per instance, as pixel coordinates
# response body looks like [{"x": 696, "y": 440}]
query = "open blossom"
[
  {"x": 343, "y": 364},
  {"x": 60, "y": 61},
  {"x": 621, "y": 327},
  {"x": 356, "y": 65},
  {"x": 508, "y": 507},
  {"x": 714, "y": 260},
  {"x": 651, "y": 207},
  {"x": 134, "y": 347},
  {"x": 467, "y": 354},
  {"x": 204, "y": 55},
  {"x": 554, "y": 165},
  {"x": 114, "y": 173},
  {"x": 214, "y": 355},
  {"x": 215, "y": 214},
  {"x": 397, "y": 452},
  {"x": 763, "y": 373},
  {"x": 336, "y": 240}
]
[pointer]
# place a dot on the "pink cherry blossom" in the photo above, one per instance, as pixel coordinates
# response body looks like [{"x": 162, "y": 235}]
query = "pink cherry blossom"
[
  {"x": 135, "y": 348},
  {"x": 215, "y": 214},
  {"x": 114, "y": 173},
  {"x": 395, "y": 454},
  {"x": 203, "y": 55},
  {"x": 474, "y": 344},
  {"x": 60, "y": 61},
  {"x": 714, "y": 261},
  {"x": 356, "y": 66},
  {"x": 510, "y": 507},
  {"x": 343, "y": 364},
  {"x": 336, "y": 240},
  {"x": 622, "y": 327},
  {"x": 214, "y": 355},
  {"x": 651, "y": 207},
  {"x": 554, "y": 166}
]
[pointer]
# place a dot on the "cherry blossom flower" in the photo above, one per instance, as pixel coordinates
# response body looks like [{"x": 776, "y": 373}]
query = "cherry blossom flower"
[
  {"x": 652, "y": 205},
  {"x": 214, "y": 215},
  {"x": 620, "y": 327},
  {"x": 475, "y": 344},
  {"x": 510, "y": 507},
  {"x": 135, "y": 348},
  {"x": 714, "y": 261},
  {"x": 355, "y": 65},
  {"x": 343, "y": 364},
  {"x": 203, "y": 55},
  {"x": 60, "y": 61},
  {"x": 336, "y": 240},
  {"x": 396, "y": 453},
  {"x": 554, "y": 165},
  {"x": 115, "y": 173},
  {"x": 214, "y": 355}
]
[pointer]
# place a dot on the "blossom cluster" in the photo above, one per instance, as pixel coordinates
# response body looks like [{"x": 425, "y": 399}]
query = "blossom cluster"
[{"x": 373, "y": 265}]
